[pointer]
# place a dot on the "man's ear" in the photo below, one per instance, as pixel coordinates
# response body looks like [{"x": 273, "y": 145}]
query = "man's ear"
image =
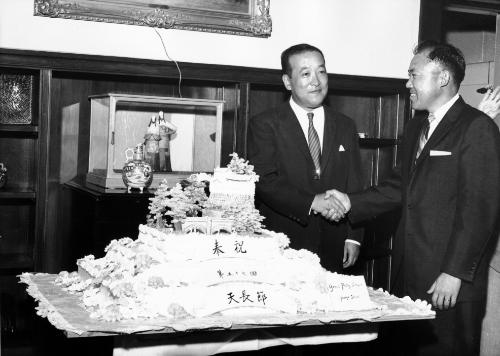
[
  {"x": 286, "y": 81},
  {"x": 444, "y": 78}
]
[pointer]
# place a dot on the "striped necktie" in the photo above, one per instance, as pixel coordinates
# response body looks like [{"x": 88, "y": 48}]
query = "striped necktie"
[
  {"x": 424, "y": 134},
  {"x": 314, "y": 144}
]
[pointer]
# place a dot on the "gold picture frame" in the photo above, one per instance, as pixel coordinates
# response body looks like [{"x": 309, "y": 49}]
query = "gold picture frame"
[{"x": 234, "y": 17}]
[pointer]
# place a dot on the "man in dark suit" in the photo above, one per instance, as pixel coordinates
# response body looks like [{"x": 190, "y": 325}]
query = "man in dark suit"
[
  {"x": 448, "y": 187},
  {"x": 490, "y": 336},
  {"x": 300, "y": 149}
]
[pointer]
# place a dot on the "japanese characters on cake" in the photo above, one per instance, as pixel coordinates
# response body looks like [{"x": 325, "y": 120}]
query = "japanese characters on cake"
[{"x": 197, "y": 275}]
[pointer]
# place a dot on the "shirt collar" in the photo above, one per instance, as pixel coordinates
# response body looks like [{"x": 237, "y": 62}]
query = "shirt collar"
[
  {"x": 439, "y": 113},
  {"x": 301, "y": 112}
]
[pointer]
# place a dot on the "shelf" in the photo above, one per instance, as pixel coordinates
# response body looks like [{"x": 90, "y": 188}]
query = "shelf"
[
  {"x": 15, "y": 262},
  {"x": 80, "y": 184},
  {"x": 21, "y": 194},
  {"x": 378, "y": 142},
  {"x": 18, "y": 130}
]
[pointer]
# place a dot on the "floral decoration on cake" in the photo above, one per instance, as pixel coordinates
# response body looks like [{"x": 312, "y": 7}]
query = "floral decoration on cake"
[
  {"x": 242, "y": 167},
  {"x": 228, "y": 194},
  {"x": 174, "y": 204}
]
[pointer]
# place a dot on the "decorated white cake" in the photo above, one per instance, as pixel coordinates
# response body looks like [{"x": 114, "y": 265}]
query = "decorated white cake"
[
  {"x": 202, "y": 255},
  {"x": 197, "y": 275},
  {"x": 233, "y": 185}
]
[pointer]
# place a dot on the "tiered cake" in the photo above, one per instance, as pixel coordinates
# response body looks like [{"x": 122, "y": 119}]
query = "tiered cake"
[
  {"x": 233, "y": 186},
  {"x": 197, "y": 275},
  {"x": 223, "y": 262}
]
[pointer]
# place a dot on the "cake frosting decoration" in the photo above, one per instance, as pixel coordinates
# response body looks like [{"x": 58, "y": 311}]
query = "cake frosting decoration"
[{"x": 197, "y": 275}]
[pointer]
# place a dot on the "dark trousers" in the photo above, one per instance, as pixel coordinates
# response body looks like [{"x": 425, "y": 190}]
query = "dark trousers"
[{"x": 454, "y": 332}]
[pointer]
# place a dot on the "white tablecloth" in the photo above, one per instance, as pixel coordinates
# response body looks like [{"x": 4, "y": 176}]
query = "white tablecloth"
[{"x": 212, "y": 335}]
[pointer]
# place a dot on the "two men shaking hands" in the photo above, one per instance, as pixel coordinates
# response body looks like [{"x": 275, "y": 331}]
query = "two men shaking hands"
[{"x": 332, "y": 205}]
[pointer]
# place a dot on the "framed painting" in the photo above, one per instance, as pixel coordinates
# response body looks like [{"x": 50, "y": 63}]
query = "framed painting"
[{"x": 235, "y": 17}]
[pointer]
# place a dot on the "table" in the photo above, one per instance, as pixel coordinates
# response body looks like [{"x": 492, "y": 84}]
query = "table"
[
  {"x": 213, "y": 335},
  {"x": 214, "y": 342}
]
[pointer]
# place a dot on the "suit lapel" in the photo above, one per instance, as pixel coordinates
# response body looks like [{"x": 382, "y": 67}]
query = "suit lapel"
[
  {"x": 329, "y": 139},
  {"x": 442, "y": 129},
  {"x": 292, "y": 129},
  {"x": 413, "y": 141}
]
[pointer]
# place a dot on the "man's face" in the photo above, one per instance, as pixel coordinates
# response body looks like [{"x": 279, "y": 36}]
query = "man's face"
[
  {"x": 308, "y": 81},
  {"x": 424, "y": 83}
]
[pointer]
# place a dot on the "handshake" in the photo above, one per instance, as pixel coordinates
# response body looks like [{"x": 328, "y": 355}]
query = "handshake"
[{"x": 332, "y": 205}]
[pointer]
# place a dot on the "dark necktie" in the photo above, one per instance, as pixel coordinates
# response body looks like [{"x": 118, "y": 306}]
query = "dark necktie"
[
  {"x": 314, "y": 145},
  {"x": 424, "y": 134}
]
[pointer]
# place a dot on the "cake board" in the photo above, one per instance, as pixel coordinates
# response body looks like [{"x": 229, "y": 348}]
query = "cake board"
[{"x": 216, "y": 334}]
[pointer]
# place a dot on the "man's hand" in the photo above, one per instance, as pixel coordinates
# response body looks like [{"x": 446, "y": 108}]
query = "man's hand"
[
  {"x": 327, "y": 207},
  {"x": 490, "y": 104},
  {"x": 351, "y": 253},
  {"x": 445, "y": 291},
  {"x": 341, "y": 199}
]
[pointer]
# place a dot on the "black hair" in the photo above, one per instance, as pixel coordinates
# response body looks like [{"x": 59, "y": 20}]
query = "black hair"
[
  {"x": 291, "y": 51},
  {"x": 448, "y": 56}
]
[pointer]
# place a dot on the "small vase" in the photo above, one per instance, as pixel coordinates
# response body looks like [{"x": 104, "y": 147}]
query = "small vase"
[{"x": 136, "y": 173}]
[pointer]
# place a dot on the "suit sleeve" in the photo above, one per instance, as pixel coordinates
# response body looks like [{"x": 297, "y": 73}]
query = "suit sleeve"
[
  {"x": 376, "y": 200},
  {"x": 354, "y": 180},
  {"x": 478, "y": 199},
  {"x": 384, "y": 197},
  {"x": 273, "y": 188}
]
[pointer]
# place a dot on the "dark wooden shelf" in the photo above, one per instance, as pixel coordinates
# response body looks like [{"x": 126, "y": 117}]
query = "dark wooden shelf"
[
  {"x": 80, "y": 184},
  {"x": 13, "y": 194},
  {"x": 377, "y": 142},
  {"x": 18, "y": 130},
  {"x": 15, "y": 262}
]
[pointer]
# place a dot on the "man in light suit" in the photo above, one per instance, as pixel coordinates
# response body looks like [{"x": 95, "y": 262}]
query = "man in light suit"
[
  {"x": 300, "y": 149},
  {"x": 447, "y": 185}
]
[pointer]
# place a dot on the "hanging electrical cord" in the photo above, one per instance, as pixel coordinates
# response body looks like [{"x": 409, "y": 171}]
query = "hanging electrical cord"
[
  {"x": 164, "y": 48},
  {"x": 173, "y": 60}
]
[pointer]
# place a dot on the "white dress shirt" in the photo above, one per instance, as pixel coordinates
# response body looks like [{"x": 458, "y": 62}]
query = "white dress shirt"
[
  {"x": 440, "y": 113},
  {"x": 318, "y": 120}
]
